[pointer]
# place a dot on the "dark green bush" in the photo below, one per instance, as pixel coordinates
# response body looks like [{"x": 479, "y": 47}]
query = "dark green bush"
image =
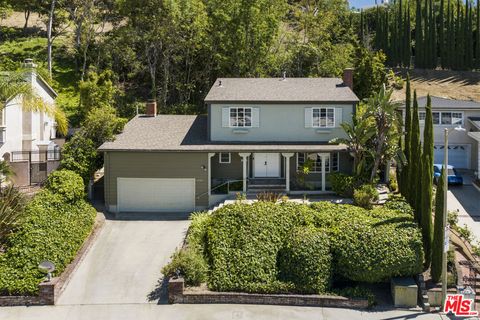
[
  {"x": 399, "y": 204},
  {"x": 54, "y": 230},
  {"x": 364, "y": 196},
  {"x": 305, "y": 260},
  {"x": 342, "y": 184},
  {"x": 357, "y": 293},
  {"x": 269, "y": 196},
  {"x": 67, "y": 184},
  {"x": 190, "y": 264},
  {"x": 243, "y": 242}
]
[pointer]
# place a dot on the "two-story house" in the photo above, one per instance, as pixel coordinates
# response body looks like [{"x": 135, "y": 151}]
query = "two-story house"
[
  {"x": 464, "y": 146},
  {"x": 258, "y": 134},
  {"x": 28, "y": 138}
]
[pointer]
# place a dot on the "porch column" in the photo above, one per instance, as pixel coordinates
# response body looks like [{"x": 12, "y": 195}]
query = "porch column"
[
  {"x": 324, "y": 157},
  {"x": 244, "y": 161},
  {"x": 287, "y": 170},
  {"x": 209, "y": 174}
]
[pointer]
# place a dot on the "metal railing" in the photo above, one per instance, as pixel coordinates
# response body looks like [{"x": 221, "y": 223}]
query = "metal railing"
[
  {"x": 35, "y": 156},
  {"x": 227, "y": 183}
]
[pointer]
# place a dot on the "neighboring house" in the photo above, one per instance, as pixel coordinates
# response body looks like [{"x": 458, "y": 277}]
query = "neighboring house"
[
  {"x": 27, "y": 139},
  {"x": 463, "y": 149},
  {"x": 258, "y": 132}
]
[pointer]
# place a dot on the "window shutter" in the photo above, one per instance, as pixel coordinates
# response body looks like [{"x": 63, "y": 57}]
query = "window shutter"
[
  {"x": 338, "y": 116},
  {"x": 255, "y": 117},
  {"x": 308, "y": 117},
  {"x": 226, "y": 117}
]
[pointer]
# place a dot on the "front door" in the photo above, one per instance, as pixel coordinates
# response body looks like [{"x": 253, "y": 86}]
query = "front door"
[{"x": 267, "y": 165}]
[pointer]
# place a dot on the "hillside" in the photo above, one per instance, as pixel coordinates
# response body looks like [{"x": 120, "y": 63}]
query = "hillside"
[{"x": 461, "y": 85}]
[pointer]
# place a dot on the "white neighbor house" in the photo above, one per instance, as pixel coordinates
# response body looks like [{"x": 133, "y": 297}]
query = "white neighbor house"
[
  {"x": 26, "y": 137},
  {"x": 464, "y": 147}
]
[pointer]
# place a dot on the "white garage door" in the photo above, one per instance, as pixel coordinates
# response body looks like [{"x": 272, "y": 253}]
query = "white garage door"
[
  {"x": 155, "y": 195},
  {"x": 458, "y": 155}
]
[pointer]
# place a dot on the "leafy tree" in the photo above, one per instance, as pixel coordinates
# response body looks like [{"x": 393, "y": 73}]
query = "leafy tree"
[
  {"x": 80, "y": 155},
  {"x": 97, "y": 91},
  {"x": 370, "y": 73},
  {"x": 102, "y": 124},
  {"x": 427, "y": 183},
  {"x": 438, "y": 231}
]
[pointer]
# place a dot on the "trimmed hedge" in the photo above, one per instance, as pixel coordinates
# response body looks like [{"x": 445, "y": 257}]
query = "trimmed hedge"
[
  {"x": 243, "y": 243},
  {"x": 54, "y": 229},
  {"x": 66, "y": 183},
  {"x": 342, "y": 184},
  {"x": 305, "y": 260},
  {"x": 371, "y": 246}
]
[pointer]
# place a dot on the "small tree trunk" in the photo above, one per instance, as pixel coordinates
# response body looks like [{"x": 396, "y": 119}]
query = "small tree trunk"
[
  {"x": 27, "y": 16},
  {"x": 49, "y": 37}
]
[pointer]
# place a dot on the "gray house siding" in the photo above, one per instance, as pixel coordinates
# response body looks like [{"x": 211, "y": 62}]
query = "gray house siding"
[
  {"x": 138, "y": 164},
  {"x": 230, "y": 171},
  {"x": 278, "y": 122}
]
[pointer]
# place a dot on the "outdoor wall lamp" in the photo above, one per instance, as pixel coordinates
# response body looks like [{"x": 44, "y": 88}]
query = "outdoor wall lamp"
[{"x": 204, "y": 168}]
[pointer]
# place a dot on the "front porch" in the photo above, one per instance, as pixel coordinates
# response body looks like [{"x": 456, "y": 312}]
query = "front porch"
[{"x": 253, "y": 172}]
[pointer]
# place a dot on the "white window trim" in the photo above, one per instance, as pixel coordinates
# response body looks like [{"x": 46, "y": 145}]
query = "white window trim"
[
  {"x": 220, "y": 157},
  {"x": 326, "y": 108},
  {"x": 230, "y": 118},
  {"x": 440, "y": 115}
]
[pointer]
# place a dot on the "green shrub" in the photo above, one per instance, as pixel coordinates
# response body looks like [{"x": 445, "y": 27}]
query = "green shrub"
[
  {"x": 305, "y": 260},
  {"x": 365, "y": 195},
  {"x": 243, "y": 242},
  {"x": 197, "y": 232},
  {"x": 190, "y": 264},
  {"x": 393, "y": 184},
  {"x": 67, "y": 184},
  {"x": 376, "y": 245},
  {"x": 54, "y": 230},
  {"x": 342, "y": 184},
  {"x": 399, "y": 204},
  {"x": 269, "y": 196}
]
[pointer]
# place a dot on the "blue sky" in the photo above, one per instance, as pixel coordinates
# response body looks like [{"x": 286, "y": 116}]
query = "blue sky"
[{"x": 362, "y": 3}]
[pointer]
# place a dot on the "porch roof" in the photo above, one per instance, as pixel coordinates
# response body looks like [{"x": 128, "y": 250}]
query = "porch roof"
[{"x": 184, "y": 133}]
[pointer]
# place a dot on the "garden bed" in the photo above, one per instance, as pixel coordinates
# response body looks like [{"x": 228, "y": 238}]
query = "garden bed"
[{"x": 269, "y": 251}]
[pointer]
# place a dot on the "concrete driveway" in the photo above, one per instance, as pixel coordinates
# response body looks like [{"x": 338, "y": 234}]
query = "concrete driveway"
[
  {"x": 123, "y": 266},
  {"x": 466, "y": 200}
]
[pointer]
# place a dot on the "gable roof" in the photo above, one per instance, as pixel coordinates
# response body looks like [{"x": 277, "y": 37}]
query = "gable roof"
[
  {"x": 182, "y": 133},
  {"x": 279, "y": 90},
  {"x": 444, "y": 103},
  {"x": 44, "y": 84}
]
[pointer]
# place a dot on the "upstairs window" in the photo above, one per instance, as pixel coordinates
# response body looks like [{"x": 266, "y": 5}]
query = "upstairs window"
[
  {"x": 443, "y": 118},
  {"x": 240, "y": 117},
  {"x": 323, "y": 117}
]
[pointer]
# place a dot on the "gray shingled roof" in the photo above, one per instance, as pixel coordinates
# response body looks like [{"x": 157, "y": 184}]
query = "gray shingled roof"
[
  {"x": 189, "y": 133},
  {"x": 278, "y": 90},
  {"x": 444, "y": 103},
  {"x": 475, "y": 121}
]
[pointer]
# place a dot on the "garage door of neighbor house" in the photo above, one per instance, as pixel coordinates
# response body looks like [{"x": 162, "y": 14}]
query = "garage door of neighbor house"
[
  {"x": 155, "y": 195},
  {"x": 458, "y": 155}
]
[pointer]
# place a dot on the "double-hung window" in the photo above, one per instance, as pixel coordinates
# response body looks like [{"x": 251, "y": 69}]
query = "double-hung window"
[
  {"x": 323, "y": 117},
  {"x": 446, "y": 118},
  {"x": 240, "y": 117}
]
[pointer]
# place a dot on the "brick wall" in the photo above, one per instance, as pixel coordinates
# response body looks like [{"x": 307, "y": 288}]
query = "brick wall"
[{"x": 178, "y": 294}]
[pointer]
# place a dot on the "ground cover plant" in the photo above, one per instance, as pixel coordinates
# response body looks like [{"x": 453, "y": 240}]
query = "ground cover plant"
[
  {"x": 286, "y": 247},
  {"x": 54, "y": 227}
]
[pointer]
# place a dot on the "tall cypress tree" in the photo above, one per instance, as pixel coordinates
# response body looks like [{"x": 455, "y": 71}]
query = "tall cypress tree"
[
  {"x": 418, "y": 36},
  {"x": 416, "y": 153},
  {"x": 433, "y": 37},
  {"x": 441, "y": 35},
  {"x": 427, "y": 183},
  {"x": 408, "y": 136},
  {"x": 458, "y": 62},
  {"x": 438, "y": 231},
  {"x": 477, "y": 50},
  {"x": 407, "y": 37}
]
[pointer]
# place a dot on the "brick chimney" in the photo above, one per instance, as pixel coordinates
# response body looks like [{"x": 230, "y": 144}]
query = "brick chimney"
[
  {"x": 151, "y": 108},
  {"x": 348, "y": 77}
]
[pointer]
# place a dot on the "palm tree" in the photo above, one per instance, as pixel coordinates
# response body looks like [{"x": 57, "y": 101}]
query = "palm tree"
[
  {"x": 12, "y": 204},
  {"x": 387, "y": 120},
  {"x": 13, "y": 84},
  {"x": 359, "y": 133}
]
